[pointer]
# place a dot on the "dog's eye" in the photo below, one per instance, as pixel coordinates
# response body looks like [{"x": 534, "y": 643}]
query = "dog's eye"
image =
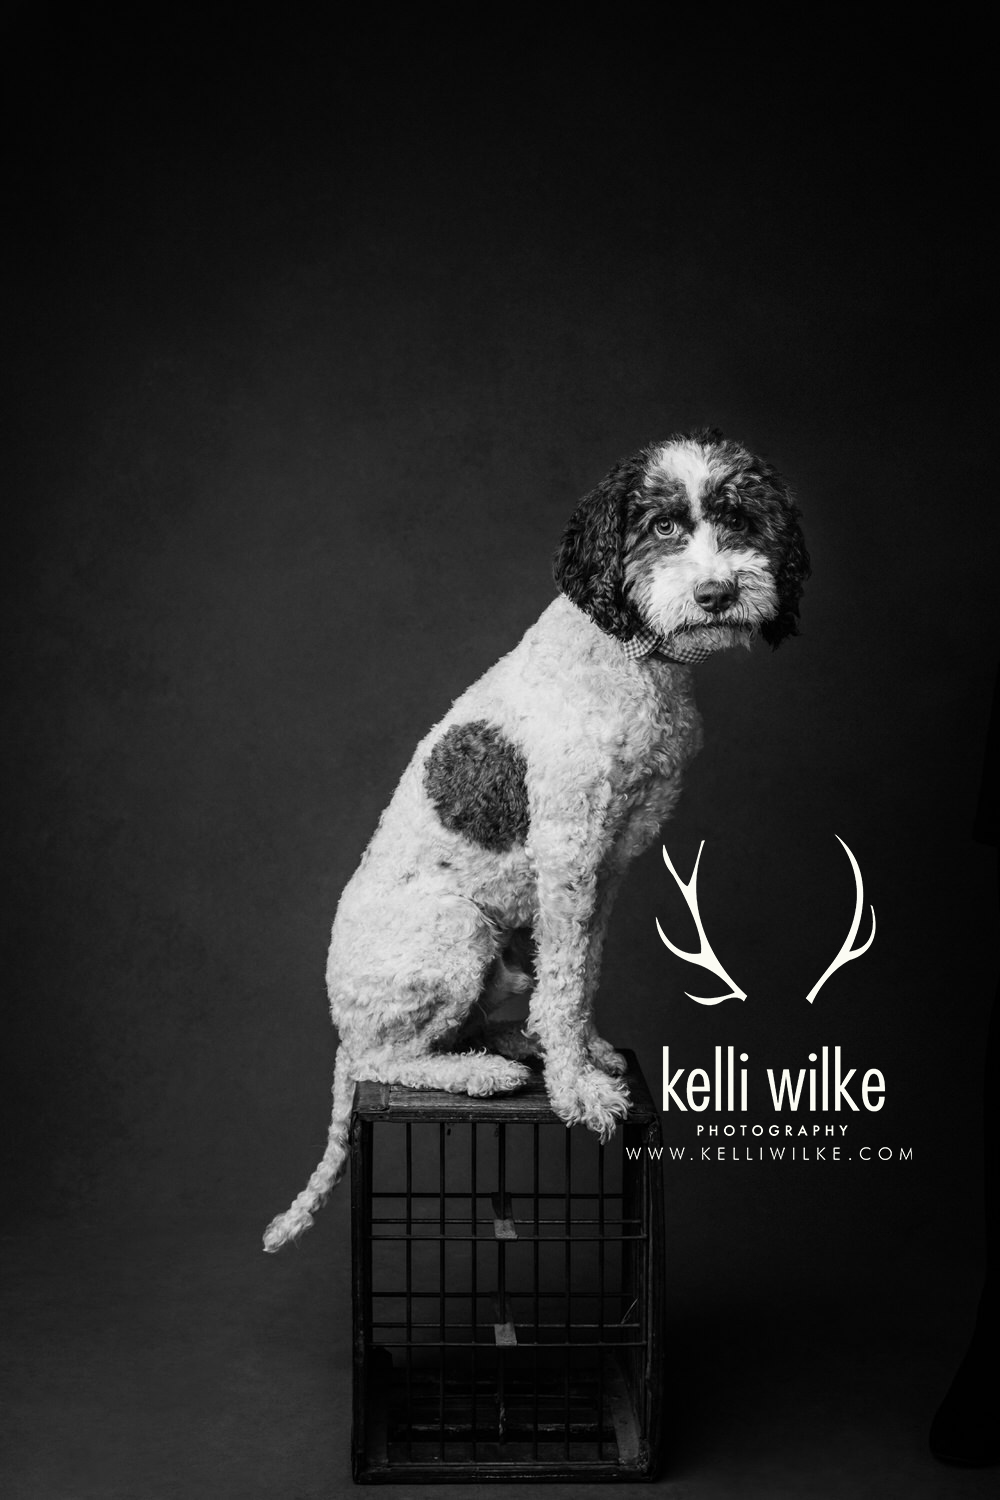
[
  {"x": 665, "y": 526},
  {"x": 736, "y": 521}
]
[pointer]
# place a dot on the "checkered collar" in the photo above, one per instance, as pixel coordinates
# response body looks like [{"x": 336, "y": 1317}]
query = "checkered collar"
[{"x": 646, "y": 643}]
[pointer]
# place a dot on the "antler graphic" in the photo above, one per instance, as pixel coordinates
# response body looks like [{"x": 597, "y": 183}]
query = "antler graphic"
[
  {"x": 704, "y": 958},
  {"x": 847, "y": 952}
]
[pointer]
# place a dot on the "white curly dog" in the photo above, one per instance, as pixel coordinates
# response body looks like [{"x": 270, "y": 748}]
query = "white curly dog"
[{"x": 495, "y": 866}]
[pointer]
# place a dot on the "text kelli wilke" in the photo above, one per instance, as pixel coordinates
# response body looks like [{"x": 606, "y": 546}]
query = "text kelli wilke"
[{"x": 824, "y": 1086}]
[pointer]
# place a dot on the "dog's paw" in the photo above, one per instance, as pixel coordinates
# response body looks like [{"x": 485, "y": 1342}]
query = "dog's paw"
[
  {"x": 499, "y": 1077},
  {"x": 604, "y": 1056},
  {"x": 592, "y": 1099}
]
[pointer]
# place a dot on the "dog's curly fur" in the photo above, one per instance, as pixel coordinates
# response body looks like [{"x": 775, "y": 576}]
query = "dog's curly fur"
[{"x": 495, "y": 866}]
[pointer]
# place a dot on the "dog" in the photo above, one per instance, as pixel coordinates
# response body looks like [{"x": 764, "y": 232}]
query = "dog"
[{"x": 494, "y": 868}]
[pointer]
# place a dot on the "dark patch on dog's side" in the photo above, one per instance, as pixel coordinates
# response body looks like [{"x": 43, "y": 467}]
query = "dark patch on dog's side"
[{"x": 477, "y": 781}]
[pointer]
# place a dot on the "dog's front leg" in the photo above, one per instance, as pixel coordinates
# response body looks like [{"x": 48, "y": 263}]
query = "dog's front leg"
[
  {"x": 567, "y": 854},
  {"x": 601, "y": 1052},
  {"x": 630, "y": 840}
]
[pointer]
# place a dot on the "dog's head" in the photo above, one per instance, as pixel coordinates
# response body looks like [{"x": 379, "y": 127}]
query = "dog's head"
[{"x": 695, "y": 539}]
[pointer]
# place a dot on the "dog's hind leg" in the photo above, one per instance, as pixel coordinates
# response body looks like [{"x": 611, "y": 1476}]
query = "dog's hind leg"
[
  {"x": 297, "y": 1219},
  {"x": 475, "y": 1073}
]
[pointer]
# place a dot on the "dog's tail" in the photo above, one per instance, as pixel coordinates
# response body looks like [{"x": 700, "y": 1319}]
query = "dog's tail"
[{"x": 297, "y": 1219}]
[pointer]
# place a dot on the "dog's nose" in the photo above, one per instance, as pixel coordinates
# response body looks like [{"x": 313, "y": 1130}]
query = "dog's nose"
[{"x": 715, "y": 594}]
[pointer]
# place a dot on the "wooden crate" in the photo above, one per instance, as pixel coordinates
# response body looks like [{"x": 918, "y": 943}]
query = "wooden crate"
[{"x": 508, "y": 1289}]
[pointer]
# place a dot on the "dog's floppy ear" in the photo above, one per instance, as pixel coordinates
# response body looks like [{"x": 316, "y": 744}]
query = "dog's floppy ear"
[
  {"x": 588, "y": 565},
  {"x": 791, "y": 562}
]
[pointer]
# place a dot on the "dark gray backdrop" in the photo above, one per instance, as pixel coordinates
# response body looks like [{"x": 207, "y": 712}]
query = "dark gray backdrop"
[{"x": 313, "y": 343}]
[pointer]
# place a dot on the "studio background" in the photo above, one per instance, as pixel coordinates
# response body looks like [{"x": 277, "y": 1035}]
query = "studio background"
[{"x": 313, "y": 344}]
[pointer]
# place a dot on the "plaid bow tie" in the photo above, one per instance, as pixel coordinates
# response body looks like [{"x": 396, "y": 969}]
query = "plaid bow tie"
[{"x": 647, "y": 643}]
